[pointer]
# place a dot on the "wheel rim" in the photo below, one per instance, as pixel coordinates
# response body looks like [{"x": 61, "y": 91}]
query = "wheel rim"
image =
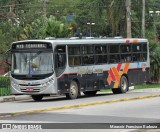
[
  {"x": 124, "y": 84},
  {"x": 73, "y": 90}
]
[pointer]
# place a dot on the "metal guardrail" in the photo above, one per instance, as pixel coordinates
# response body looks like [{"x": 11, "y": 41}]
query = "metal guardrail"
[{"x": 5, "y": 86}]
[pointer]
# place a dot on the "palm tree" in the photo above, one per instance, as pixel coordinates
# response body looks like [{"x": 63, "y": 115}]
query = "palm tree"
[{"x": 115, "y": 12}]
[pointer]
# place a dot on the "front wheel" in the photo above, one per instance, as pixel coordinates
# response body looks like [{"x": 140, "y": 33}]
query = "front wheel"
[
  {"x": 37, "y": 97},
  {"x": 123, "y": 88},
  {"x": 73, "y": 91}
]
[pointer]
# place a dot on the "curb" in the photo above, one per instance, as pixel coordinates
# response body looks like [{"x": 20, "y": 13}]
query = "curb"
[
  {"x": 75, "y": 106},
  {"x": 14, "y": 98}
]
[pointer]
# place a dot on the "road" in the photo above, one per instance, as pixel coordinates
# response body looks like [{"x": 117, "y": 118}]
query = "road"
[{"x": 82, "y": 110}]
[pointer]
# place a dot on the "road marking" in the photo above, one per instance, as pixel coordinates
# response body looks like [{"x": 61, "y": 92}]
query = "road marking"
[{"x": 76, "y": 106}]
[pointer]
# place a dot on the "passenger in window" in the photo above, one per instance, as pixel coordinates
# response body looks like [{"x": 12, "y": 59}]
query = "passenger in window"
[
  {"x": 116, "y": 58},
  {"x": 128, "y": 59},
  {"x": 123, "y": 49},
  {"x": 85, "y": 60},
  {"x": 98, "y": 50},
  {"x": 142, "y": 58},
  {"x": 77, "y": 61}
]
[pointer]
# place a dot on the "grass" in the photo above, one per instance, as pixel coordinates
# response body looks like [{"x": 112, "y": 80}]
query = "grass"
[
  {"x": 4, "y": 91},
  {"x": 142, "y": 86},
  {"x": 106, "y": 90}
]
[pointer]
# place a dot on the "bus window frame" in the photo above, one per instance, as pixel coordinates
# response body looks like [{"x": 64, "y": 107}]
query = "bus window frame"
[
  {"x": 115, "y": 54},
  {"x": 87, "y": 55},
  {"x": 59, "y": 70},
  {"x": 68, "y": 55},
  {"x": 140, "y": 53},
  {"x": 101, "y": 54},
  {"x": 123, "y": 53}
]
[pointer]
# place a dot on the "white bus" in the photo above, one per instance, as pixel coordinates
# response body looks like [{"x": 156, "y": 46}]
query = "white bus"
[{"x": 47, "y": 67}]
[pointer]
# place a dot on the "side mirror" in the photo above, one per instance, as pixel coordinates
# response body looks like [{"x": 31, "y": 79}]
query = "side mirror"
[{"x": 8, "y": 57}]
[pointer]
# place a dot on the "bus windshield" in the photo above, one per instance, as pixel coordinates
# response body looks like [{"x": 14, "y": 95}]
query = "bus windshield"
[{"x": 32, "y": 63}]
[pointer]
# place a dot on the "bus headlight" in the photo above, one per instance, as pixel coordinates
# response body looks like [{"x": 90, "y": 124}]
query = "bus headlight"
[
  {"x": 48, "y": 83},
  {"x": 44, "y": 84},
  {"x": 14, "y": 84}
]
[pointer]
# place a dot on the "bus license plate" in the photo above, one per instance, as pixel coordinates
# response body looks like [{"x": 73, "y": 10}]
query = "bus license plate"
[{"x": 29, "y": 89}]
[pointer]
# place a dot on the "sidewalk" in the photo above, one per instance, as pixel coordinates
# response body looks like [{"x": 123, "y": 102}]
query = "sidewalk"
[{"x": 28, "y": 97}]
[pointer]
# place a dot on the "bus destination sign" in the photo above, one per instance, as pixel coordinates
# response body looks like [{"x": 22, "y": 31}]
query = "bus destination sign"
[{"x": 31, "y": 46}]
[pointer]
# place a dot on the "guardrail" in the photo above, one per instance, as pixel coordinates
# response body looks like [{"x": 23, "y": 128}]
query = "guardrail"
[{"x": 5, "y": 86}]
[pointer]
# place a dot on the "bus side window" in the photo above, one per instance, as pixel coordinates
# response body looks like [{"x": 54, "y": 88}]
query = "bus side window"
[
  {"x": 114, "y": 58},
  {"x": 61, "y": 60}
]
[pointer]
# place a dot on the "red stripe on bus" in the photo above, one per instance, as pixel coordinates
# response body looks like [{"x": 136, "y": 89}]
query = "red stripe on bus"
[
  {"x": 119, "y": 67},
  {"x": 112, "y": 75}
]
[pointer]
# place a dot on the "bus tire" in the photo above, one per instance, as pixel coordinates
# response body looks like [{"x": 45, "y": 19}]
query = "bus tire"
[
  {"x": 37, "y": 97},
  {"x": 90, "y": 93},
  {"x": 73, "y": 91},
  {"x": 123, "y": 88}
]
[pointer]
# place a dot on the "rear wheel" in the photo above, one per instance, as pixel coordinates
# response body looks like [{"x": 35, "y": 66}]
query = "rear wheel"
[
  {"x": 90, "y": 93},
  {"x": 37, "y": 97},
  {"x": 123, "y": 86},
  {"x": 73, "y": 91}
]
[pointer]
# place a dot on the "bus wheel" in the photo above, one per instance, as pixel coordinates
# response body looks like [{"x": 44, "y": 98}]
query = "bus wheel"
[
  {"x": 73, "y": 91},
  {"x": 123, "y": 86},
  {"x": 37, "y": 97},
  {"x": 90, "y": 92}
]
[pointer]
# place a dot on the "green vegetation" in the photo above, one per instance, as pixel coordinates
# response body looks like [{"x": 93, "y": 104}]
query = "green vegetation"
[
  {"x": 4, "y": 86},
  {"x": 106, "y": 90},
  {"x": 144, "y": 86}
]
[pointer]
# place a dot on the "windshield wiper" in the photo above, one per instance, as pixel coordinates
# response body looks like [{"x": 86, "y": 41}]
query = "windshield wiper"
[{"x": 38, "y": 53}]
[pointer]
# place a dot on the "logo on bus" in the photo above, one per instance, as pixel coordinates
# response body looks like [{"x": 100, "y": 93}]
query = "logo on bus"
[{"x": 115, "y": 74}]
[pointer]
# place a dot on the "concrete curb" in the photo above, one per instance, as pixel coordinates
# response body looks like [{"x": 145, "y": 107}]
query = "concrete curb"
[
  {"x": 153, "y": 90},
  {"x": 14, "y": 98}
]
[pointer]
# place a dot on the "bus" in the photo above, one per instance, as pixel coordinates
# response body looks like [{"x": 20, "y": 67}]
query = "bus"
[{"x": 73, "y": 66}]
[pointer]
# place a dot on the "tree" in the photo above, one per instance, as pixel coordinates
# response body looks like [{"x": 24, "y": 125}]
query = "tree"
[
  {"x": 57, "y": 29},
  {"x": 155, "y": 60},
  {"x": 36, "y": 30},
  {"x": 46, "y": 27}
]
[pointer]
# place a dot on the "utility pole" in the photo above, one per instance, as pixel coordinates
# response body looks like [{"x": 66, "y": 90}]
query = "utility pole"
[
  {"x": 45, "y": 7},
  {"x": 143, "y": 18},
  {"x": 128, "y": 17}
]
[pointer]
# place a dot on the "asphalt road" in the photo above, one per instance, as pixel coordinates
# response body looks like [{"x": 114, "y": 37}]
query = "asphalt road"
[
  {"x": 138, "y": 111},
  {"x": 145, "y": 110},
  {"x": 51, "y": 102}
]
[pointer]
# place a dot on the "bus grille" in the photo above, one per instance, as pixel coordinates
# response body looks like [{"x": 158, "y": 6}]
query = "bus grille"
[{"x": 30, "y": 84}]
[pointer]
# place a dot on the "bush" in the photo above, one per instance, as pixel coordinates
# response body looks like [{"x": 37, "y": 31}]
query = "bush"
[
  {"x": 5, "y": 86},
  {"x": 155, "y": 61}
]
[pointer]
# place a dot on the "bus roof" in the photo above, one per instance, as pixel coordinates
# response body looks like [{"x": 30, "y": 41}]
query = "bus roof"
[{"x": 86, "y": 41}]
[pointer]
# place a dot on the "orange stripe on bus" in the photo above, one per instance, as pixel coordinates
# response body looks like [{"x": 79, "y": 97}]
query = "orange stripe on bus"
[
  {"x": 126, "y": 68},
  {"x": 135, "y": 41},
  {"x": 115, "y": 72},
  {"x": 109, "y": 80}
]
